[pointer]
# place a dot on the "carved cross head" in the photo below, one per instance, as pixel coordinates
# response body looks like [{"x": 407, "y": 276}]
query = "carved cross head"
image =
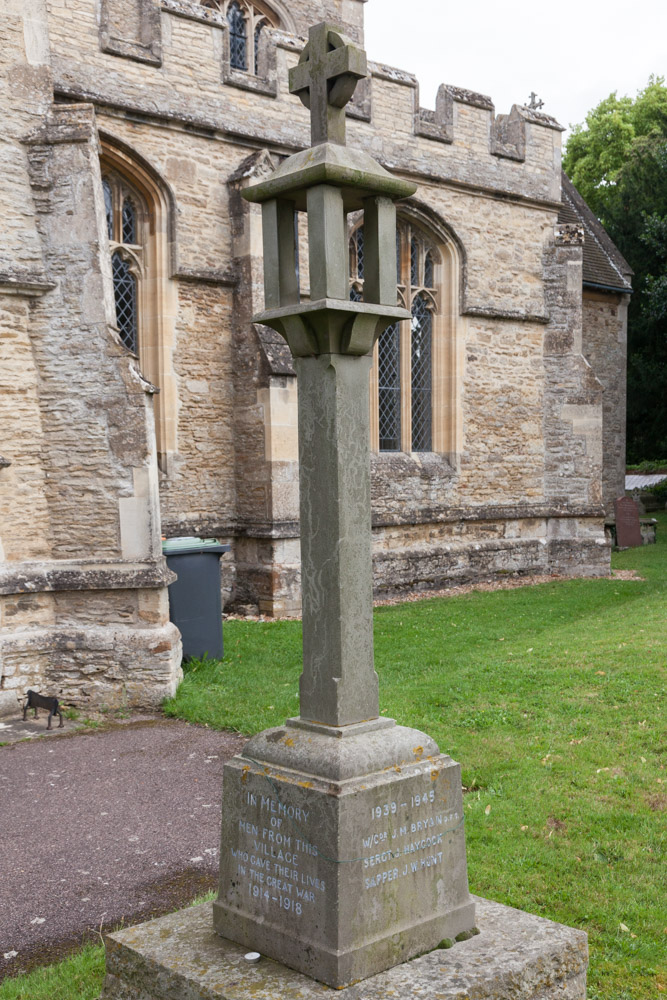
[{"x": 325, "y": 80}]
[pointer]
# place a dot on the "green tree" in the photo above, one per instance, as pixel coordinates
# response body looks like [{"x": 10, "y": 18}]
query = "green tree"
[{"x": 618, "y": 161}]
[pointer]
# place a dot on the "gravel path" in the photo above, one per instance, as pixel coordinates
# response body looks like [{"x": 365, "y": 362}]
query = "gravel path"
[{"x": 103, "y": 827}]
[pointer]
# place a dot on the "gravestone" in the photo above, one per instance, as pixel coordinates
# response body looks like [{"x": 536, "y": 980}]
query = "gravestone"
[
  {"x": 628, "y": 528},
  {"x": 343, "y": 848}
]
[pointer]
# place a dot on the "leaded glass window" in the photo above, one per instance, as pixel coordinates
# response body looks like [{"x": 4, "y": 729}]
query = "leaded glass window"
[
  {"x": 357, "y": 264},
  {"x": 428, "y": 270},
  {"x": 414, "y": 262},
  {"x": 238, "y": 38},
  {"x": 405, "y": 350},
  {"x": 421, "y": 369},
  {"x": 359, "y": 241},
  {"x": 108, "y": 207},
  {"x": 259, "y": 27},
  {"x": 129, "y": 222},
  {"x": 125, "y": 215},
  {"x": 389, "y": 388},
  {"x": 125, "y": 293},
  {"x": 246, "y": 20}
]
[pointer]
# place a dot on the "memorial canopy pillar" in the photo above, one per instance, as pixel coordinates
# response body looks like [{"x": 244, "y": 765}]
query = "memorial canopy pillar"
[
  {"x": 320, "y": 868},
  {"x": 331, "y": 339}
]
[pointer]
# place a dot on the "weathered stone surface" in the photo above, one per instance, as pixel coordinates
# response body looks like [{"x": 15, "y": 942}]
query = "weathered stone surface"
[
  {"x": 83, "y": 609},
  {"x": 339, "y": 684},
  {"x": 342, "y": 854},
  {"x": 516, "y": 956},
  {"x": 343, "y": 850},
  {"x": 605, "y": 321},
  {"x": 325, "y": 79},
  {"x": 490, "y": 188}
]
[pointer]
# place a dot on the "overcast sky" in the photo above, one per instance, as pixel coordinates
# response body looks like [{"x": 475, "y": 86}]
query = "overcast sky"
[{"x": 572, "y": 54}]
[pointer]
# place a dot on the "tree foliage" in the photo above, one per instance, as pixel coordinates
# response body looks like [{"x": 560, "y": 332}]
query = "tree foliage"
[{"x": 618, "y": 161}]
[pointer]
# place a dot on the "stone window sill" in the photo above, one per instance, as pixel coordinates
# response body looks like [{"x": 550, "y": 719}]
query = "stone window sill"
[
  {"x": 246, "y": 81},
  {"x": 411, "y": 463}
]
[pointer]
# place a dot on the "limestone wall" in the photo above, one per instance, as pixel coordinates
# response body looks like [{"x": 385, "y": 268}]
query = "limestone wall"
[
  {"x": 605, "y": 347},
  {"x": 518, "y": 488},
  {"x": 83, "y": 610}
]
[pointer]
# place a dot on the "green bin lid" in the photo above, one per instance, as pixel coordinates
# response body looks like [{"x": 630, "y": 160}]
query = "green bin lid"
[{"x": 187, "y": 544}]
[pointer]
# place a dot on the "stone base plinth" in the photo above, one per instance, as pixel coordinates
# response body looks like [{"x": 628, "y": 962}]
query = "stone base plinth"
[
  {"x": 516, "y": 956},
  {"x": 343, "y": 850}
]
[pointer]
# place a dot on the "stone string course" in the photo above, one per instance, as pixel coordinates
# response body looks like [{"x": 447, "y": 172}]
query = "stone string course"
[{"x": 535, "y": 366}]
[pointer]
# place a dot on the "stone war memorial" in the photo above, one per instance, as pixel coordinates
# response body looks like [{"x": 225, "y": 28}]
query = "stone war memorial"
[{"x": 343, "y": 860}]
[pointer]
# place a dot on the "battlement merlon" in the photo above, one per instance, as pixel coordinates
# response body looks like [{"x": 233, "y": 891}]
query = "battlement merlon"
[
  {"x": 517, "y": 154},
  {"x": 507, "y": 132}
]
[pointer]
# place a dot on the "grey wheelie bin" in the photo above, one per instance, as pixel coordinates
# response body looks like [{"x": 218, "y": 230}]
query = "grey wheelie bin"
[{"x": 195, "y": 605}]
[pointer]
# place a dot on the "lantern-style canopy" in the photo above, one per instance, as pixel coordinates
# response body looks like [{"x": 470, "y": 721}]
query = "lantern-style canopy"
[{"x": 328, "y": 181}]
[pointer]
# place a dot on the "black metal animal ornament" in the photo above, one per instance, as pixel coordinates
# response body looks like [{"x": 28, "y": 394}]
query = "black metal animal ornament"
[{"x": 36, "y": 701}]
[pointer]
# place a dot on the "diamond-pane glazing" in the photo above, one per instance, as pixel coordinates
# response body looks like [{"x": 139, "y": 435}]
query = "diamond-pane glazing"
[
  {"x": 421, "y": 362},
  {"x": 428, "y": 270},
  {"x": 238, "y": 42},
  {"x": 355, "y": 294},
  {"x": 389, "y": 388},
  {"x": 129, "y": 222},
  {"x": 108, "y": 207},
  {"x": 359, "y": 241},
  {"x": 414, "y": 262},
  {"x": 125, "y": 292}
]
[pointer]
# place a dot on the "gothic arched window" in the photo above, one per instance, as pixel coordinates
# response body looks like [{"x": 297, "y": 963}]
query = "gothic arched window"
[
  {"x": 138, "y": 208},
  {"x": 246, "y": 21},
  {"x": 404, "y": 367},
  {"x": 238, "y": 37},
  {"x": 124, "y": 217}
]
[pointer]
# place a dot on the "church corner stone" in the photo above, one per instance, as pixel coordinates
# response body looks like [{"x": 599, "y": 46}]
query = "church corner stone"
[{"x": 343, "y": 848}]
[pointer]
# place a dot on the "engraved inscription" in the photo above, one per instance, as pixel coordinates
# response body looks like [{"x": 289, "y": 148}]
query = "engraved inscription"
[
  {"x": 278, "y": 867},
  {"x": 270, "y": 855},
  {"x": 410, "y": 847}
]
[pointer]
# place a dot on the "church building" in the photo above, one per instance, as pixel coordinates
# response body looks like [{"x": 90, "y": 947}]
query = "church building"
[{"x": 138, "y": 400}]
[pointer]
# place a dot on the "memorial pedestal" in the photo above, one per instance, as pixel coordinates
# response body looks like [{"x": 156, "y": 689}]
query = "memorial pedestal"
[
  {"x": 342, "y": 850},
  {"x": 516, "y": 956}
]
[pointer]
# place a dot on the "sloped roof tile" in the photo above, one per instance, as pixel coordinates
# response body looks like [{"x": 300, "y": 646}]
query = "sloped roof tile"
[{"x": 604, "y": 265}]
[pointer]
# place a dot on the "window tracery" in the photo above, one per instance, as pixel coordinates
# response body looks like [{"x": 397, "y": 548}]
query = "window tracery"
[
  {"x": 246, "y": 20},
  {"x": 138, "y": 207},
  {"x": 404, "y": 353},
  {"x": 124, "y": 220}
]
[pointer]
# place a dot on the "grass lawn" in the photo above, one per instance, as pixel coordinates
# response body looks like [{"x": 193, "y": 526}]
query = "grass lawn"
[
  {"x": 552, "y": 698},
  {"x": 78, "y": 977}
]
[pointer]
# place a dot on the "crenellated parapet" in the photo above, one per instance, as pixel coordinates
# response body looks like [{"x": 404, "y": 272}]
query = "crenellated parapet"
[
  {"x": 461, "y": 140},
  {"x": 507, "y": 133}
]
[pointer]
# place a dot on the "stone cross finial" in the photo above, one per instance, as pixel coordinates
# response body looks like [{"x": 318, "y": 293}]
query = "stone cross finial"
[
  {"x": 325, "y": 80},
  {"x": 535, "y": 103}
]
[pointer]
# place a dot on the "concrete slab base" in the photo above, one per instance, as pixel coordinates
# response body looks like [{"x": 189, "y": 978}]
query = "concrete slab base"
[{"x": 516, "y": 956}]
